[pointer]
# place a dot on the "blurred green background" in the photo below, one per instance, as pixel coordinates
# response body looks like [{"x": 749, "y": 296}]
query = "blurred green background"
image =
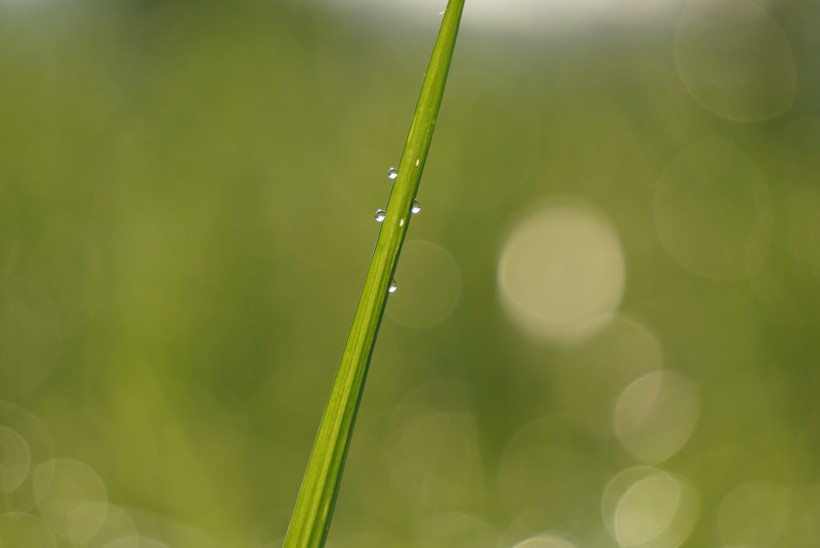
[{"x": 606, "y": 327}]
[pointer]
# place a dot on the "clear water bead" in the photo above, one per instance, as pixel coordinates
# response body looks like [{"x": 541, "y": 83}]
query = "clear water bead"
[
  {"x": 416, "y": 207},
  {"x": 392, "y": 287},
  {"x": 380, "y": 215},
  {"x": 392, "y": 173}
]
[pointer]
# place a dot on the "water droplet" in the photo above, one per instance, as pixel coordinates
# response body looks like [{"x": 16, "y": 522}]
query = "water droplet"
[
  {"x": 392, "y": 173},
  {"x": 416, "y": 207},
  {"x": 380, "y": 215},
  {"x": 392, "y": 287}
]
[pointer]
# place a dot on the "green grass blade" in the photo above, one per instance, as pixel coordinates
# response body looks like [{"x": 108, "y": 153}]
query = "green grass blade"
[{"x": 314, "y": 506}]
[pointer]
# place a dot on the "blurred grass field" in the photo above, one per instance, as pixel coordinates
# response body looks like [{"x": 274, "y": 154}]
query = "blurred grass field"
[{"x": 606, "y": 327}]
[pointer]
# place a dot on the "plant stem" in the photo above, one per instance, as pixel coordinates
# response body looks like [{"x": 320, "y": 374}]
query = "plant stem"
[{"x": 314, "y": 507}]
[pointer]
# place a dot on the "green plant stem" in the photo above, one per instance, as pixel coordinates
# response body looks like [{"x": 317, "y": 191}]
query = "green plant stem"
[{"x": 314, "y": 506}]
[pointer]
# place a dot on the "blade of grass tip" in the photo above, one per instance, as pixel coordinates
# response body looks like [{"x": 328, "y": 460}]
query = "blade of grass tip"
[{"x": 314, "y": 506}]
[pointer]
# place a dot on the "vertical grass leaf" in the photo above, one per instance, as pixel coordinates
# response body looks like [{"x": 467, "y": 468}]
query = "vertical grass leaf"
[{"x": 314, "y": 507}]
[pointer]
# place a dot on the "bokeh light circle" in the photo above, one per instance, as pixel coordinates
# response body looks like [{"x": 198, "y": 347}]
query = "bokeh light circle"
[
  {"x": 71, "y": 498},
  {"x": 645, "y": 507},
  {"x": 754, "y": 514},
  {"x": 713, "y": 211},
  {"x": 561, "y": 274},
  {"x": 735, "y": 60},
  {"x": 430, "y": 285},
  {"x": 655, "y": 416}
]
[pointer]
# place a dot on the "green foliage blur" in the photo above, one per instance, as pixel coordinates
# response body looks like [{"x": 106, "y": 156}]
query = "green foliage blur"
[{"x": 186, "y": 216}]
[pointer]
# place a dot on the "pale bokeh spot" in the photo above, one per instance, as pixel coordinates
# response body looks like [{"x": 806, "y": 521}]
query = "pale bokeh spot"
[
  {"x": 71, "y": 498},
  {"x": 649, "y": 508},
  {"x": 754, "y": 514},
  {"x": 655, "y": 416},
  {"x": 735, "y": 60},
  {"x": 561, "y": 274},
  {"x": 646, "y": 513},
  {"x": 430, "y": 283},
  {"x": 713, "y": 211}
]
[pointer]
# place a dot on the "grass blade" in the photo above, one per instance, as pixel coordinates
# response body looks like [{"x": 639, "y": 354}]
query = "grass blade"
[{"x": 314, "y": 506}]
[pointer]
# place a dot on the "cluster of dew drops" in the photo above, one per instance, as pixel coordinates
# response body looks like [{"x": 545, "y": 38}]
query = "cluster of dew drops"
[{"x": 381, "y": 215}]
